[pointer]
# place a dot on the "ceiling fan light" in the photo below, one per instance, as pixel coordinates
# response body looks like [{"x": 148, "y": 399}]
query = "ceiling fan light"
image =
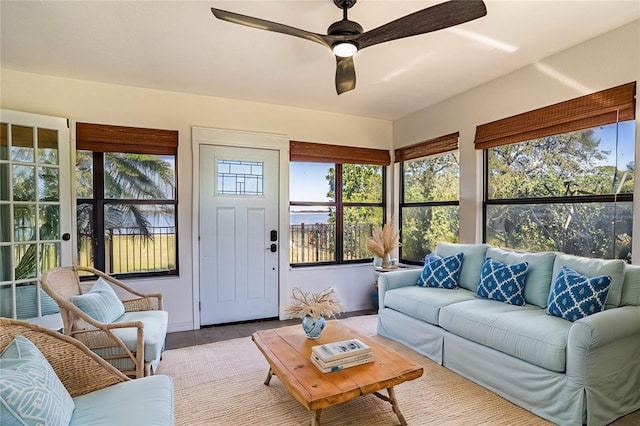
[{"x": 344, "y": 49}]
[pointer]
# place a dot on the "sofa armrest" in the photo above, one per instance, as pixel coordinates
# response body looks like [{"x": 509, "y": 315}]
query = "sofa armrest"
[
  {"x": 603, "y": 344},
  {"x": 396, "y": 279}
]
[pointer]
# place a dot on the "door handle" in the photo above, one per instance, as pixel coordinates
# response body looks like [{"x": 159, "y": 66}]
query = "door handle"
[{"x": 273, "y": 248}]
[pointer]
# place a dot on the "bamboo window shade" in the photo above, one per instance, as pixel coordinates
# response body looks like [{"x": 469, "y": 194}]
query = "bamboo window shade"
[
  {"x": 325, "y": 153},
  {"x": 434, "y": 146},
  {"x": 134, "y": 140},
  {"x": 596, "y": 109}
]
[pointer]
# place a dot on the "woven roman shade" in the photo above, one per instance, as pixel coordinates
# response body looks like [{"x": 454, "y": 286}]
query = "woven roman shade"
[
  {"x": 106, "y": 138},
  {"x": 324, "y": 153},
  {"x": 434, "y": 146},
  {"x": 597, "y": 109}
]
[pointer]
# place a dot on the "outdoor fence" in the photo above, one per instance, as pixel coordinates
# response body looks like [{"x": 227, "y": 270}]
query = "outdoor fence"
[{"x": 316, "y": 242}]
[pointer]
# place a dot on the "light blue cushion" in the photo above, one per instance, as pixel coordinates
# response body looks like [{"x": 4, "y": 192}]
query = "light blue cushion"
[
  {"x": 145, "y": 401},
  {"x": 525, "y": 332},
  {"x": 537, "y": 283},
  {"x": 441, "y": 272},
  {"x": 631, "y": 290},
  {"x": 576, "y": 296},
  {"x": 30, "y": 391},
  {"x": 26, "y": 302},
  {"x": 474, "y": 255},
  {"x": 424, "y": 303},
  {"x": 502, "y": 282},
  {"x": 100, "y": 303},
  {"x": 155, "y": 331},
  {"x": 589, "y": 267}
]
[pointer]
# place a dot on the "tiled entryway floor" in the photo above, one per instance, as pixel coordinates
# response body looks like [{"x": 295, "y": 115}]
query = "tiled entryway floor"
[{"x": 217, "y": 333}]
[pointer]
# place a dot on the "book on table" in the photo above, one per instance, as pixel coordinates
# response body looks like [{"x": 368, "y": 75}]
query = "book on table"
[
  {"x": 341, "y": 364},
  {"x": 330, "y": 352}
]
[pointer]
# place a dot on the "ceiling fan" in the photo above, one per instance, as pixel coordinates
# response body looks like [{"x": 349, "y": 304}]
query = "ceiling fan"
[{"x": 346, "y": 37}]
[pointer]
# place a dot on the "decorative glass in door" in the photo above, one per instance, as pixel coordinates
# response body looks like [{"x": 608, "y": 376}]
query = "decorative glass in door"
[{"x": 34, "y": 209}]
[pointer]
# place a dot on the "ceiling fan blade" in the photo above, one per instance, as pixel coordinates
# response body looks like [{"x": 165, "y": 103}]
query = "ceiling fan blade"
[
  {"x": 262, "y": 24},
  {"x": 345, "y": 75},
  {"x": 440, "y": 16}
]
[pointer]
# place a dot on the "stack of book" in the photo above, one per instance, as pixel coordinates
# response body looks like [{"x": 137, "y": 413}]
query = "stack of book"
[{"x": 338, "y": 355}]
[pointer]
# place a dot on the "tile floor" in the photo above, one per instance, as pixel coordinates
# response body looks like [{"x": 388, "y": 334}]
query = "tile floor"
[{"x": 217, "y": 333}]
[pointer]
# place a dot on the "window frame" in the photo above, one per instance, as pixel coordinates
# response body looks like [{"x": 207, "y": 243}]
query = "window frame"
[
  {"x": 339, "y": 155},
  {"x": 102, "y": 139},
  {"x": 437, "y": 146},
  {"x": 614, "y": 105}
]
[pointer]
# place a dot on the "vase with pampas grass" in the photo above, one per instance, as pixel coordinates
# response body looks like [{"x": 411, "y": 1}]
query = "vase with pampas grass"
[
  {"x": 313, "y": 308},
  {"x": 383, "y": 241}
]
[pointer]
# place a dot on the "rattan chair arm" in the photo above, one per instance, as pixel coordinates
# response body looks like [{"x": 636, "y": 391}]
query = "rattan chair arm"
[{"x": 80, "y": 370}]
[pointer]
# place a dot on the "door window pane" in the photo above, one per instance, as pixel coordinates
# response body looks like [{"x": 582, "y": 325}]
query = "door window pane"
[
  {"x": 240, "y": 177},
  {"x": 5, "y": 224},
  {"x": 22, "y": 144},
  {"x": 47, "y": 146},
  {"x": 25, "y": 261},
  {"x": 4, "y": 142},
  {"x": 24, "y": 223},
  {"x": 49, "y": 256},
  {"x": 5, "y": 263},
  {"x": 24, "y": 183},
  {"x": 48, "y": 184},
  {"x": 5, "y": 182},
  {"x": 49, "y": 222}
]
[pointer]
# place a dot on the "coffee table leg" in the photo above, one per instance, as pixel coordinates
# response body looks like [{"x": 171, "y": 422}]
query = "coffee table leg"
[
  {"x": 269, "y": 375},
  {"x": 315, "y": 417},
  {"x": 394, "y": 405}
]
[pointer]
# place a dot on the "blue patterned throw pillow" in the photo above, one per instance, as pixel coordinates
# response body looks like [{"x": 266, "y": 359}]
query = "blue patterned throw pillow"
[
  {"x": 441, "y": 272},
  {"x": 502, "y": 282},
  {"x": 576, "y": 296},
  {"x": 30, "y": 391}
]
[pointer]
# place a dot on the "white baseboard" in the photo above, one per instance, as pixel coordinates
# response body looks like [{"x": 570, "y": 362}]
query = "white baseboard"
[{"x": 182, "y": 326}]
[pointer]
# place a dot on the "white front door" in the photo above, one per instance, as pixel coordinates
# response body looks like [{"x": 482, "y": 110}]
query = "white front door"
[
  {"x": 35, "y": 209},
  {"x": 239, "y": 237}
]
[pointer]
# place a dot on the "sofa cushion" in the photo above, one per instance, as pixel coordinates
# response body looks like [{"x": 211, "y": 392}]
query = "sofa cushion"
[
  {"x": 592, "y": 268},
  {"x": 537, "y": 283},
  {"x": 574, "y": 296},
  {"x": 631, "y": 289},
  {"x": 441, "y": 272},
  {"x": 502, "y": 282},
  {"x": 424, "y": 303},
  {"x": 100, "y": 303},
  {"x": 474, "y": 256},
  {"x": 144, "y": 401},
  {"x": 525, "y": 332},
  {"x": 30, "y": 391}
]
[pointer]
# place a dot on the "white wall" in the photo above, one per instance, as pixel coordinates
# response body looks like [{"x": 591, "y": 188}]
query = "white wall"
[
  {"x": 129, "y": 106},
  {"x": 601, "y": 63}
]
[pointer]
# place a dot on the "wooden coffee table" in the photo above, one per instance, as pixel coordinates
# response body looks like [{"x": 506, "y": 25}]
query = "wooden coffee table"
[{"x": 288, "y": 352}]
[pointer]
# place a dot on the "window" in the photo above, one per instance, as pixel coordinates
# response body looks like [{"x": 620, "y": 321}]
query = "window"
[
  {"x": 429, "y": 196},
  {"x": 570, "y": 191},
  {"x": 334, "y": 205},
  {"x": 126, "y": 199}
]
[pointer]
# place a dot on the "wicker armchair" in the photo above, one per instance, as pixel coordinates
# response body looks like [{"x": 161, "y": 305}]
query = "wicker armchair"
[
  {"x": 80, "y": 370},
  {"x": 107, "y": 339}
]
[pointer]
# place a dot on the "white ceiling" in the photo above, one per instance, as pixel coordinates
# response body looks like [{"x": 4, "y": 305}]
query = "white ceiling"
[{"x": 180, "y": 46}]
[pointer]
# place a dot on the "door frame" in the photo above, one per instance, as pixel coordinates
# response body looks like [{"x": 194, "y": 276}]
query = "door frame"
[{"x": 240, "y": 139}]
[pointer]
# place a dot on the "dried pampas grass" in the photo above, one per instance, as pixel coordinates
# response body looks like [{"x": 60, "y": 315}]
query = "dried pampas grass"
[
  {"x": 323, "y": 304},
  {"x": 384, "y": 240}
]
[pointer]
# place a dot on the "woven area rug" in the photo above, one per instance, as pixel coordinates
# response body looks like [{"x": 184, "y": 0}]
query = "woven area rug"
[{"x": 222, "y": 384}]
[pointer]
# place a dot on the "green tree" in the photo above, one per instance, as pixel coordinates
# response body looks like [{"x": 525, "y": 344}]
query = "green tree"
[{"x": 432, "y": 179}]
